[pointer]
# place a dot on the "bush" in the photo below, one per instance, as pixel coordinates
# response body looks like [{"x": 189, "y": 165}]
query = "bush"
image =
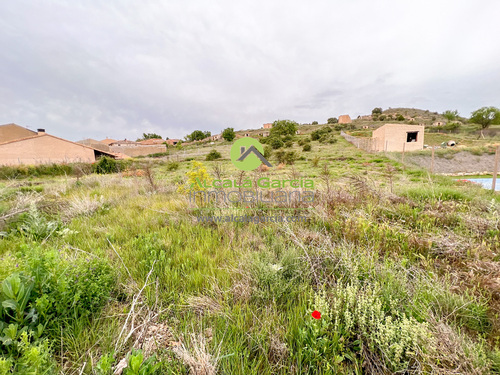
[
  {"x": 291, "y": 157},
  {"x": 400, "y": 118},
  {"x": 307, "y": 147},
  {"x": 314, "y": 123},
  {"x": 158, "y": 154},
  {"x": 355, "y": 318},
  {"x": 8, "y": 172},
  {"x": 47, "y": 293},
  {"x": 213, "y": 155},
  {"x": 452, "y": 127},
  {"x": 275, "y": 143},
  {"x": 317, "y": 134},
  {"x": 303, "y": 141},
  {"x": 280, "y": 156},
  {"x": 328, "y": 138},
  {"x": 332, "y": 120},
  {"x": 268, "y": 152},
  {"x": 172, "y": 166},
  {"x": 288, "y": 144},
  {"x": 105, "y": 165}
]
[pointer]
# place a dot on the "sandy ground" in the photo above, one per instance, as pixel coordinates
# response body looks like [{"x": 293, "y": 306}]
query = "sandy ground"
[{"x": 459, "y": 163}]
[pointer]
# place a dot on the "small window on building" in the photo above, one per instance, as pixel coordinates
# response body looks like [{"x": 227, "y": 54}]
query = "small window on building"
[{"x": 411, "y": 136}]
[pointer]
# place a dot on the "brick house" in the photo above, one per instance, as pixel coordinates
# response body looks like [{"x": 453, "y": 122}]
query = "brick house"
[
  {"x": 216, "y": 137},
  {"x": 41, "y": 148},
  {"x": 398, "y": 138},
  {"x": 172, "y": 142},
  {"x": 345, "y": 119},
  {"x": 267, "y": 126},
  {"x": 152, "y": 141}
]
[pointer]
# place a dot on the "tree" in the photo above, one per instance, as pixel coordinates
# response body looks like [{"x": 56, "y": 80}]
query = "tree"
[
  {"x": 450, "y": 115},
  {"x": 377, "y": 111},
  {"x": 485, "y": 117},
  {"x": 197, "y": 135},
  {"x": 149, "y": 136},
  {"x": 314, "y": 123},
  {"x": 332, "y": 120},
  {"x": 284, "y": 127},
  {"x": 400, "y": 118},
  {"x": 228, "y": 134}
]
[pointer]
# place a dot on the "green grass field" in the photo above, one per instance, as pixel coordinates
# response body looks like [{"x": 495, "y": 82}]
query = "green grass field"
[{"x": 108, "y": 270}]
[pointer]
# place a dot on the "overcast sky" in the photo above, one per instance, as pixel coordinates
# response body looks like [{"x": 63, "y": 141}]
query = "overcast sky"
[{"x": 96, "y": 69}]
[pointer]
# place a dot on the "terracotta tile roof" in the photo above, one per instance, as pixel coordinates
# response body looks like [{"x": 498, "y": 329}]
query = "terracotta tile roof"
[{"x": 108, "y": 141}]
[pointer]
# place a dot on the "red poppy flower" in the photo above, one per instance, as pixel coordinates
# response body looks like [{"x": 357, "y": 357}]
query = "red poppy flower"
[{"x": 316, "y": 314}]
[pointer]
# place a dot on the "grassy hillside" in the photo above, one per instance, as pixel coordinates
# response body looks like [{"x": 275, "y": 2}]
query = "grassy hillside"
[{"x": 115, "y": 269}]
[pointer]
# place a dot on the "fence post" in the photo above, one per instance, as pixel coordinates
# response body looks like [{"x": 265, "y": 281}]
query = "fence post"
[
  {"x": 495, "y": 169},
  {"x": 432, "y": 160},
  {"x": 403, "y": 156}
]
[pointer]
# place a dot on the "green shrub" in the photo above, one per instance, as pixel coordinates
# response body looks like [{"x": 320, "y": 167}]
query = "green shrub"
[
  {"x": 317, "y": 134},
  {"x": 280, "y": 156},
  {"x": 158, "y": 154},
  {"x": 291, "y": 157},
  {"x": 288, "y": 144},
  {"x": 303, "y": 141},
  {"x": 327, "y": 138},
  {"x": 275, "y": 143},
  {"x": 105, "y": 165},
  {"x": 172, "y": 166},
  {"x": 21, "y": 346},
  {"x": 452, "y": 127},
  {"x": 307, "y": 147},
  {"x": 356, "y": 317},
  {"x": 213, "y": 155},
  {"x": 34, "y": 225},
  {"x": 268, "y": 152},
  {"x": 8, "y": 172}
]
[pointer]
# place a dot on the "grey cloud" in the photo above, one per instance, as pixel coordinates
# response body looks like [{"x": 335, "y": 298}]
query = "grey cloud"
[{"x": 96, "y": 69}]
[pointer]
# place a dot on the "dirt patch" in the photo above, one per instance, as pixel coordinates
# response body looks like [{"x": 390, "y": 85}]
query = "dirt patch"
[{"x": 460, "y": 162}]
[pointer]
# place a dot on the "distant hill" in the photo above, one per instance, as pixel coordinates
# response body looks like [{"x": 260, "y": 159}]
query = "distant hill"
[{"x": 411, "y": 115}]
